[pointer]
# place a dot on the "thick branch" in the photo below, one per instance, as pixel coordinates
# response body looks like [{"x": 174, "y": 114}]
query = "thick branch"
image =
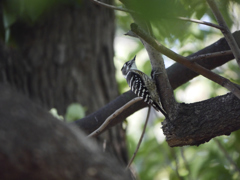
[
  {"x": 216, "y": 54},
  {"x": 199, "y": 122},
  {"x": 209, "y": 63}
]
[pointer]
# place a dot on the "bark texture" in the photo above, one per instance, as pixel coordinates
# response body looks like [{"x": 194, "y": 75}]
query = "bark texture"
[
  {"x": 199, "y": 122},
  {"x": 65, "y": 58}
]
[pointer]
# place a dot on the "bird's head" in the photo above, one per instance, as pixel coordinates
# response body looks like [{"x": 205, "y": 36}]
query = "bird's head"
[{"x": 128, "y": 65}]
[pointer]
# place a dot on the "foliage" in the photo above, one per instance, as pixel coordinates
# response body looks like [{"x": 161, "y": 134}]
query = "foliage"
[
  {"x": 155, "y": 159},
  {"x": 167, "y": 28},
  {"x": 27, "y": 11},
  {"x": 74, "y": 112}
]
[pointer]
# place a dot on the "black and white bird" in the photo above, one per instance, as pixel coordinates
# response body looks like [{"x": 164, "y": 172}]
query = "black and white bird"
[{"x": 142, "y": 85}]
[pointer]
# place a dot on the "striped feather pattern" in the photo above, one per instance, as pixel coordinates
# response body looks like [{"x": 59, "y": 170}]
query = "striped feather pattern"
[{"x": 137, "y": 86}]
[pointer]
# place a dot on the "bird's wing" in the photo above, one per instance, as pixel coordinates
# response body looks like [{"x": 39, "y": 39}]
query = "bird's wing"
[{"x": 137, "y": 85}]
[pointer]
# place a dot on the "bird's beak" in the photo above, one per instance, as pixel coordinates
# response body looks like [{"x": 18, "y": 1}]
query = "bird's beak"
[{"x": 134, "y": 58}]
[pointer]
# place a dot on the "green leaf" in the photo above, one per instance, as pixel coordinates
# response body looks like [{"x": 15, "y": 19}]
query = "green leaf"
[{"x": 75, "y": 111}]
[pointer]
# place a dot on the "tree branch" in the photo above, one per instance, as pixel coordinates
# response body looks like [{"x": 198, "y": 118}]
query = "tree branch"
[
  {"x": 226, "y": 32},
  {"x": 94, "y": 120},
  {"x": 176, "y": 169},
  {"x": 191, "y": 65},
  {"x": 209, "y": 55},
  {"x": 113, "y": 7},
  {"x": 209, "y": 63},
  {"x": 141, "y": 138},
  {"x": 180, "y": 18},
  {"x": 186, "y": 164},
  {"x": 116, "y": 113},
  {"x": 199, "y": 122},
  {"x": 201, "y": 22},
  {"x": 226, "y": 154}
]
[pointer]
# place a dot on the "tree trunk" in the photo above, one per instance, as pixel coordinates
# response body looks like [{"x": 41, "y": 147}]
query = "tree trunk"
[{"x": 67, "y": 57}]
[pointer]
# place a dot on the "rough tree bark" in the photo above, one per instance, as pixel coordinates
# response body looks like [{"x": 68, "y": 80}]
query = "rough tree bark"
[{"x": 67, "y": 57}]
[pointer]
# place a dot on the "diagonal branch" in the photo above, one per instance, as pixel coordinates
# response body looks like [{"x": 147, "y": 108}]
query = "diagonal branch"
[
  {"x": 226, "y": 154},
  {"x": 226, "y": 32},
  {"x": 201, "y": 22},
  {"x": 116, "y": 113},
  {"x": 140, "y": 140},
  {"x": 113, "y": 7},
  {"x": 189, "y": 64},
  {"x": 209, "y": 63},
  {"x": 186, "y": 163}
]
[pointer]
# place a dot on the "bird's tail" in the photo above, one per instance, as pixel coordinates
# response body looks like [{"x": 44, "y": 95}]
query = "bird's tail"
[{"x": 159, "y": 108}]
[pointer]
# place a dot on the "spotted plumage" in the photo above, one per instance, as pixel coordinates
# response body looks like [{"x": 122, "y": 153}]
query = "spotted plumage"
[{"x": 142, "y": 85}]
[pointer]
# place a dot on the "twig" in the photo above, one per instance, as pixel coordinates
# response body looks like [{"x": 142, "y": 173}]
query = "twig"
[
  {"x": 112, "y": 116},
  {"x": 201, "y": 22},
  {"x": 172, "y": 150},
  {"x": 181, "y": 18},
  {"x": 113, "y": 7},
  {"x": 226, "y": 32},
  {"x": 185, "y": 162},
  {"x": 210, "y": 55},
  {"x": 140, "y": 140},
  {"x": 227, "y": 155},
  {"x": 189, "y": 64}
]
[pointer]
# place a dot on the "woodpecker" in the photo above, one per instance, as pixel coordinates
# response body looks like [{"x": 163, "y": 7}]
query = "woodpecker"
[{"x": 142, "y": 85}]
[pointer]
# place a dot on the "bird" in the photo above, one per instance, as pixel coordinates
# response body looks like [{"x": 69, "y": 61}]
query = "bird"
[{"x": 142, "y": 85}]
